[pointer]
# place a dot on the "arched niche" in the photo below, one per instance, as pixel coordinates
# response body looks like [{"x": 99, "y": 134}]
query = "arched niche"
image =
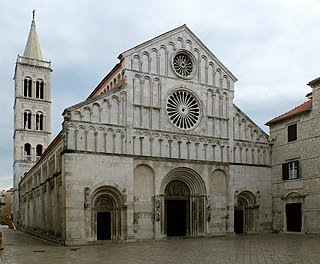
[
  {"x": 246, "y": 212},
  {"x": 107, "y": 213}
]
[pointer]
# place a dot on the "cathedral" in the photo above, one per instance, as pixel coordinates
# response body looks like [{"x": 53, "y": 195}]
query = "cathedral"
[{"x": 157, "y": 150}]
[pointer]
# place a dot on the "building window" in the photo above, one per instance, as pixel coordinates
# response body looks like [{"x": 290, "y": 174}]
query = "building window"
[
  {"x": 39, "y": 121},
  {"x": 39, "y": 150},
  {"x": 183, "y": 64},
  {"x": 290, "y": 170},
  {"x": 183, "y": 109},
  {"x": 292, "y": 133},
  {"x": 39, "y": 89},
  {"x": 27, "y": 87},
  {"x": 27, "y": 120},
  {"x": 27, "y": 151}
]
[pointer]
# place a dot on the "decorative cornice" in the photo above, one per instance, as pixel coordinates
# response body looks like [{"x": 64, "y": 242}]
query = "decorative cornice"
[
  {"x": 35, "y": 65},
  {"x": 314, "y": 82},
  {"x": 33, "y": 132},
  {"x": 32, "y": 100}
]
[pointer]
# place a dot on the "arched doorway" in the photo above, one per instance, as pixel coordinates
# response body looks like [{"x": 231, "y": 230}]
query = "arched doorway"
[
  {"x": 245, "y": 213},
  {"x": 104, "y": 207},
  {"x": 238, "y": 220},
  {"x": 177, "y": 196},
  {"x": 293, "y": 217},
  {"x": 106, "y": 213},
  {"x": 182, "y": 204}
]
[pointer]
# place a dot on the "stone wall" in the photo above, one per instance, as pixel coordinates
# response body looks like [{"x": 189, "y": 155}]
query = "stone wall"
[
  {"x": 305, "y": 189},
  {"x": 140, "y": 185}
]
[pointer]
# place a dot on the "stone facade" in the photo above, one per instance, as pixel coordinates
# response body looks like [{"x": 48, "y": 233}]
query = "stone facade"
[
  {"x": 157, "y": 150},
  {"x": 295, "y": 170},
  {"x": 6, "y": 202}
]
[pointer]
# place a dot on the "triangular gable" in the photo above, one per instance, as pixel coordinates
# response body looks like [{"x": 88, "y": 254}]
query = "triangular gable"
[
  {"x": 170, "y": 34},
  {"x": 118, "y": 68}
]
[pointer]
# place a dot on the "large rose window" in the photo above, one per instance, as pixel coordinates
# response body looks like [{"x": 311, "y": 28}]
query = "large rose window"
[{"x": 183, "y": 109}]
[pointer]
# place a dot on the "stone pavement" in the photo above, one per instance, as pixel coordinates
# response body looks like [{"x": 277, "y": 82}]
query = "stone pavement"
[{"x": 21, "y": 248}]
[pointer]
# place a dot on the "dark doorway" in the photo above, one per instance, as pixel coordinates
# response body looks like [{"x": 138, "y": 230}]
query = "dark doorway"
[
  {"x": 176, "y": 217},
  {"x": 293, "y": 212},
  {"x": 103, "y": 225},
  {"x": 238, "y": 221}
]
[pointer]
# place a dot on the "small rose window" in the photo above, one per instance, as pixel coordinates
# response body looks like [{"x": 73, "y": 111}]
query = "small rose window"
[{"x": 183, "y": 64}]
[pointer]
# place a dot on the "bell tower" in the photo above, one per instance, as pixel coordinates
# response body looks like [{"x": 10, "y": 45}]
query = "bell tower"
[{"x": 32, "y": 110}]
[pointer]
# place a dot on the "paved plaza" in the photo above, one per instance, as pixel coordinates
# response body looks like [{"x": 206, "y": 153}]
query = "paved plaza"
[{"x": 22, "y": 248}]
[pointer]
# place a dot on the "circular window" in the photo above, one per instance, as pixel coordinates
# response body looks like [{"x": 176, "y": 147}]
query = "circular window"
[
  {"x": 183, "y": 109},
  {"x": 183, "y": 64}
]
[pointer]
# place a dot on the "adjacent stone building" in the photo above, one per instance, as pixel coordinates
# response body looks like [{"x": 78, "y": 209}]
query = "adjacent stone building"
[
  {"x": 6, "y": 208},
  {"x": 157, "y": 150},
  {"x": 295, "y": 166}
]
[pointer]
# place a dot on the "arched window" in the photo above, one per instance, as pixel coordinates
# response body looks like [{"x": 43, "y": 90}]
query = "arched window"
[
  {"x": 39, "y": 150},
  {"x": 27, "y": 87},
  {"x": 39, "y": 121},
  {"x": 27, "y": 151},
  {"x": 27, "y": 120},
  {"x": 39, "y": 89}
]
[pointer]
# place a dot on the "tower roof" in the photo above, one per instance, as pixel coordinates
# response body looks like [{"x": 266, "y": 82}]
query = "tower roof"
[{"x": 32, "y": 49}]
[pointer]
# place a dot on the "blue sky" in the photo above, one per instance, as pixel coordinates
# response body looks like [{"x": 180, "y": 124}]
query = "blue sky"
[{"x": 271, "y": 46}]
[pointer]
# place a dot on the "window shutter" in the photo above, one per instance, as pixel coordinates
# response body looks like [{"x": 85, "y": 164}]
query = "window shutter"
[
  {"x": 298, "y": 170},
  {"x": 285, "y": 171},
  {"x": 292, "y": 133}
]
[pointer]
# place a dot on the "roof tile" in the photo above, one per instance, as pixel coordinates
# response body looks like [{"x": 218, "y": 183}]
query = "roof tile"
[{"x": 306, "y": 106}]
